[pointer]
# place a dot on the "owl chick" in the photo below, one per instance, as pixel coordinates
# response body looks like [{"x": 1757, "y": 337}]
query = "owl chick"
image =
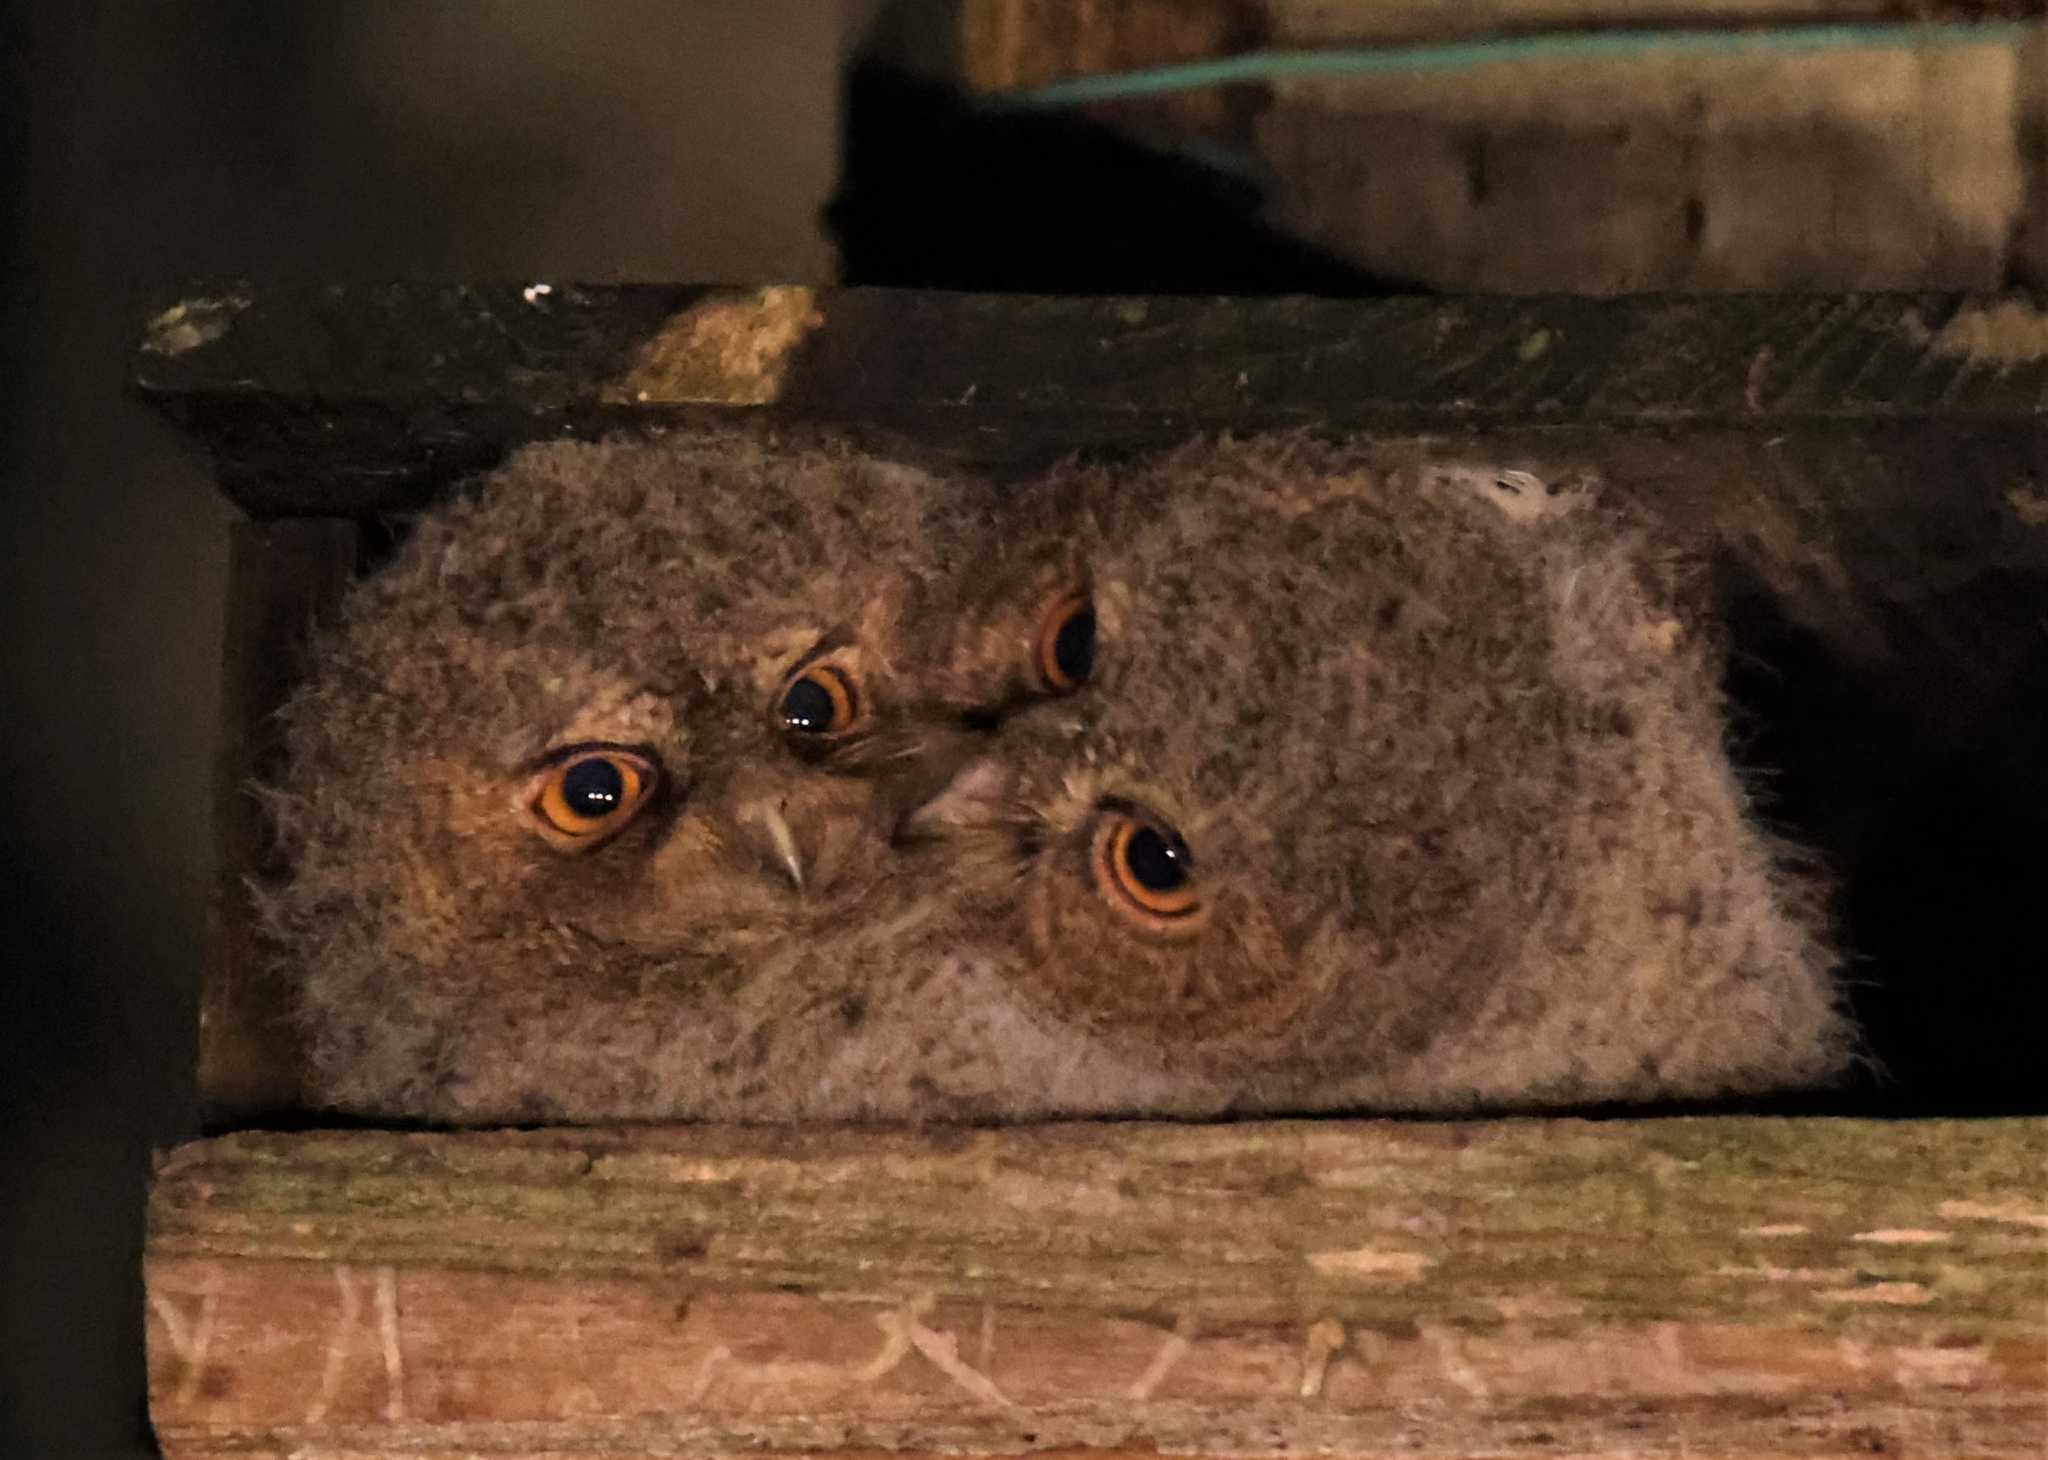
[
  {"x": 1396, "y": 788},
  {"x": 638, "y": 788},
  {"x": 608, "y": 738}
]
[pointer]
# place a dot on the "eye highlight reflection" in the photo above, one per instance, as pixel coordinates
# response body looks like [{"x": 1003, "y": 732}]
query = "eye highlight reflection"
[
  {"x": 1063, "y": 654},
  {"x": 823, "y": 700},
  {"x": 1143, "y": 868},
  {"x": 588, "y": 794}
]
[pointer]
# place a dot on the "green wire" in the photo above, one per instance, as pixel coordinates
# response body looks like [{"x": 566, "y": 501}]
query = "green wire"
[{"x": 1461, "y": 55}]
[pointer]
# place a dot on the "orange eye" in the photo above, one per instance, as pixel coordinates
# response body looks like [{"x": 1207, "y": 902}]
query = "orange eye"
[
  {"x": 589, "y": 794},
  {"x": 1063, "y": 654},
  {"x": 1145, "y": 871},
  {"x": 822, "y": 700}
]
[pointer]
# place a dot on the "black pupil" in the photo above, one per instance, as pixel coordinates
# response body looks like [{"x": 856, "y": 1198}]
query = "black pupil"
[
  {"x": 1073, "y": 648},
  {"x": 807, "y": 706},
  {"x": 1157, "y": 864},
  {"x": 593, "y": 788}
]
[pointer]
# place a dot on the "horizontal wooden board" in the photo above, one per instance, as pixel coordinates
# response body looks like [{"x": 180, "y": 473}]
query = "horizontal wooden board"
[
  {"x": 1328, "y": 22},
  {"x": 1683, "y": 1286},
  {"x": 342, "y": 400},
  {"x": 1877, "y": 465}
]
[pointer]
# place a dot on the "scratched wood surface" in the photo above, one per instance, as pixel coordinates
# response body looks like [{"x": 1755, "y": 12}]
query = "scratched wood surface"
[{"x": 1683, "y": 1286}]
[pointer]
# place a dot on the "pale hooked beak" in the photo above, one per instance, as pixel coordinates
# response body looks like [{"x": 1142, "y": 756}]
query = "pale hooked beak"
[
  {"x": 781, "y": 838},
  {"x": 977, "y": 794}
]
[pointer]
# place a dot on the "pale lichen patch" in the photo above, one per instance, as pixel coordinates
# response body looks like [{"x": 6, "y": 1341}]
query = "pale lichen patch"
[
  {"x": 1371, "y": 1262},
  {"x": 1900, "y": 1295},
  {"x": 731, "y": 349},
  {"x": 1522, "y": 1307},
  {"x": 1074, "y": 1198},
  {"x": 191, "y": 323},
  {"x": 2010, "y": 332},
  {"x": 1765, "y": 1272},
  {"x": 1902, "y": 1237},
  {"x": 1957, "y": 1280},
  {"x": 2029, "y": 504},
  {"x": 2015, "y": 1212},
  {"x": 1953, "y": 1368}
]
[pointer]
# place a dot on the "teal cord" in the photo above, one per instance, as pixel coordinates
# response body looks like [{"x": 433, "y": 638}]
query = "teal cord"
[{"x": 1505, "y": 50}]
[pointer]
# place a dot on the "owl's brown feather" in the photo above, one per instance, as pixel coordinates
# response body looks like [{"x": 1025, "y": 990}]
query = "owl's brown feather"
[
  {"x": 1453, "y": 777},
  {"x": 1464, "y": 829},
  {"x": 455, "y": 966}
]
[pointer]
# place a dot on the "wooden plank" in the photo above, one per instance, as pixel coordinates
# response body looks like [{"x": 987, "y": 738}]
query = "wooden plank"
[
  {"x": 1303, "y": 23},
  {"x": 1006, "y": 44},
  {"x": 1875, "y": 463},
  {"x": 1685, "y": 1286},
  {"x": 282, "y": 576},
  {"x": 345, "y": 400}
]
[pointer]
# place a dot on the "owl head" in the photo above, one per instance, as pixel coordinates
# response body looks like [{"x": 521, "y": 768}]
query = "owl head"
[
  {"x": 1394, "y": 785},
  {"x": 612, "y": 724}
]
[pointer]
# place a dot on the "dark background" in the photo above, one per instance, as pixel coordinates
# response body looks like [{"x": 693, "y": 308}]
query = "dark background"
[
  {"x": 148, "y": 143},
  {"x": 518, "y": 140}
]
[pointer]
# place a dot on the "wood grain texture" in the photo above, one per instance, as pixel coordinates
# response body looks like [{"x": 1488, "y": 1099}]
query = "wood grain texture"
[
  {"x": 1013, "y": 43},
  {"x": 1326, "y": 22},
  {"x": 345, "y": 400},
  {"x": 1724, "y": 1286},
  {"x": 1010, "y": 43}
]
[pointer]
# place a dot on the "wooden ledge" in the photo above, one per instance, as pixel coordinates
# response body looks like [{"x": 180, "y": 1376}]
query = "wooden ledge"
[
  {"x": 1875, "y": 466},
  {"x": 342, "y": 400},
  {"x": 1728, "y": 1286}
]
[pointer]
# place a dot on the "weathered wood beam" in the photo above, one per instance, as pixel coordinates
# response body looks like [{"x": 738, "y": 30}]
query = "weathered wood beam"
[
  {"x": 1877, "y": 463},
  {"x": 1683, "y": 1286},
  {"x": 1324, "y": 22},
  {"x": 1006, "y": 44},
  {"x": 1003, "y": 44},
  {"x": 342, "y": 400}
]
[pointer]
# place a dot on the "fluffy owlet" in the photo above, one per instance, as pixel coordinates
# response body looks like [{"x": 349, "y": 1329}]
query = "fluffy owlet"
[
  {"x": 602, "y": 744},
  {"x": 1395, "y": 787},
  {"x": 704, "y": 780}
]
